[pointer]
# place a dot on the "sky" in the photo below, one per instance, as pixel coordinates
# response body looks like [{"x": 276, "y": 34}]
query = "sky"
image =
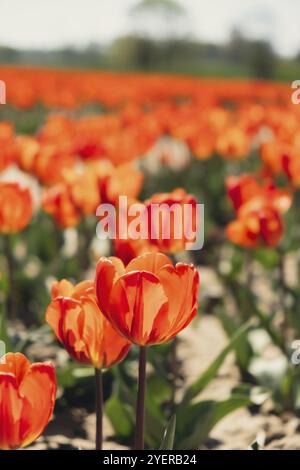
[{"x": 55, "y": 23}]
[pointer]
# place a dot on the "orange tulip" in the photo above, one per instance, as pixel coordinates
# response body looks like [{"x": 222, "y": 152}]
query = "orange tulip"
[
  {"x": 245, "y": 188},
  {"x": 150, "y": 301},
  {"x": 15, "y": 207},
  {"x": 241, "y": 189},
  {"x": 27, "y": 151},
  {"x": 84, "y": 188},
  {"x": 257, "y": 227},
  {"x": 163, "y": 228},
  {"x": 7, "y": 145},
  {"x": 124, "y": 180},
  {"x": 128, "y": 249},
  {"x": 50, "y": 163},
  {"x": 57, "y": 201},
  {"x": 79, "y": 324},
  {"x": 291, "y": 166},
  {"x": 259, "y": 211},
  {"x": 233, "y": 143},
  {"x": 27, "y": 397},
  {"x": 271, "y": 153}
]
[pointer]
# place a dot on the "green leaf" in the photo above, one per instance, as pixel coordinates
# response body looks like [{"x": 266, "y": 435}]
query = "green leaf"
[
  {"x": 258, "y": 395},
  {"x": 243, "y": 349},
  {"x": 3, "y": 329},
  {"x": 69, "y": 375},
  {"x": 196, "y": 421},
  {"x": 206, "y": 377},
  {"x": 169, "y": 435},
  {"x": 155, "y": 421},
  {"x": 268, "y": 257},
  {"x": 120, "y": 416}
]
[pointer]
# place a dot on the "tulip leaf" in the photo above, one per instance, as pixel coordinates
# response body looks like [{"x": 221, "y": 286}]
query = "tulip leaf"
[
  {"x": 196, "y": 420},
  {"x": 243, "y": 349},
  {"x": 169, "y": 435},
  {"x": 268, "y": 257},
  {"x": 155, "y": 421},
  {"x": 3, "y": 329},
  {"x": 206, "y": 377},
  {"x": 120, "y": 417}
]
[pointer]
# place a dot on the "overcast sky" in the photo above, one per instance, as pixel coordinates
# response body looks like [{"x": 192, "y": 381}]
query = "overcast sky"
[{"x": 53, "y": 23}]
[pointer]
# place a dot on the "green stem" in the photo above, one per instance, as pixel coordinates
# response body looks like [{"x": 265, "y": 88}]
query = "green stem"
[
  {"x": 84, "y": 245},
  {"x": 174, "y": 373},
  {"x": 140, "y": 405},
  {"x": 99, "y": 409},
  {"x": 11, "y": 305},
  {"x": 282, "y": 292}
]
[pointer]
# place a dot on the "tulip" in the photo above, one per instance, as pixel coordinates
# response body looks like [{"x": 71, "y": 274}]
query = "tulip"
[
  {"x": 259, "y": 211},
  {"x": 58, "y": 202},
  {"x": 86, "y": 334},
  {"x": 272, "y": 153},
  {"x": 241, "y": 189},
  {"x": 245, "y": 188},
  {"x": 15, "y": 215},
  {"x": 127, "y": 249},
  {"x": 258, "y": 227},
  {"x": 233, "y": 143},
  {"x": 148, "y": 302},
  {"x": 15, "y": 207},
  {"x": 27, "y": 397},
  {"x": 27, "y": 150},
  {"x": 123, "y": 180},
  {"x": 7, "y": 145},
  {"x": 291, "y": 166},
  {"x": 176, "y": 212}
]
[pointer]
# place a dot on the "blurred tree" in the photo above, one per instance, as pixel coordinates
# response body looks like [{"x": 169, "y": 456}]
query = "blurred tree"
[
  {"x": 9, "y": 55},
  {"x": 237, "y": 48},
  {"x": 261, "y": 59},
  {"x": 133, "y": 52},
  {"x": 159, "y": 18}
]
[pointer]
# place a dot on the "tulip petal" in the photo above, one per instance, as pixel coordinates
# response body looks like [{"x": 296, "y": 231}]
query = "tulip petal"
[
  {"x": 39, "y": 389},
  {"x": 137, "y": 298},
  {"x": 11, "y": 407},
  {"x": 181, "y": 287},
  {"x": 62, "y": 288},
  {"x": 150, "y": 262},
  {"x": 16, "y": 364},
  {"x": 107, "y": 272}
]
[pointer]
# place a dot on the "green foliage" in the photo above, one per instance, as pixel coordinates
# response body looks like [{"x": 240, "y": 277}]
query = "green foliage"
[{"x": 169, "y": 435}]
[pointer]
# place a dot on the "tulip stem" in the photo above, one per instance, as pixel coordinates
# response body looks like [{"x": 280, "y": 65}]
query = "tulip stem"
[
  {"x": 282, "y": 291},
  {"x": 11, "y": 294},
  {"x": 174, "y": 373},
  {"x": 99, "y": 409},
  {"x": 140, "y": 406}
]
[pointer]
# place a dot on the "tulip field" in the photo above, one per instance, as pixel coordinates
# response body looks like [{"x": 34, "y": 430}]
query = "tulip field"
[{"x": 144, "y": 342}]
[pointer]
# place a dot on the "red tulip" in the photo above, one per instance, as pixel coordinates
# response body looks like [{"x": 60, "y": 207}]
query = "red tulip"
[
  {"x": 150, "y": 301},
  {"x": 27, "y": 397},
  {"x": 79, "y": 324},
  {"x": 257, "y": 227},
  {"x": 163, "y": 226},
  {"x": 245, "y": 189},
  {"x": 15, "y": 207}
]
